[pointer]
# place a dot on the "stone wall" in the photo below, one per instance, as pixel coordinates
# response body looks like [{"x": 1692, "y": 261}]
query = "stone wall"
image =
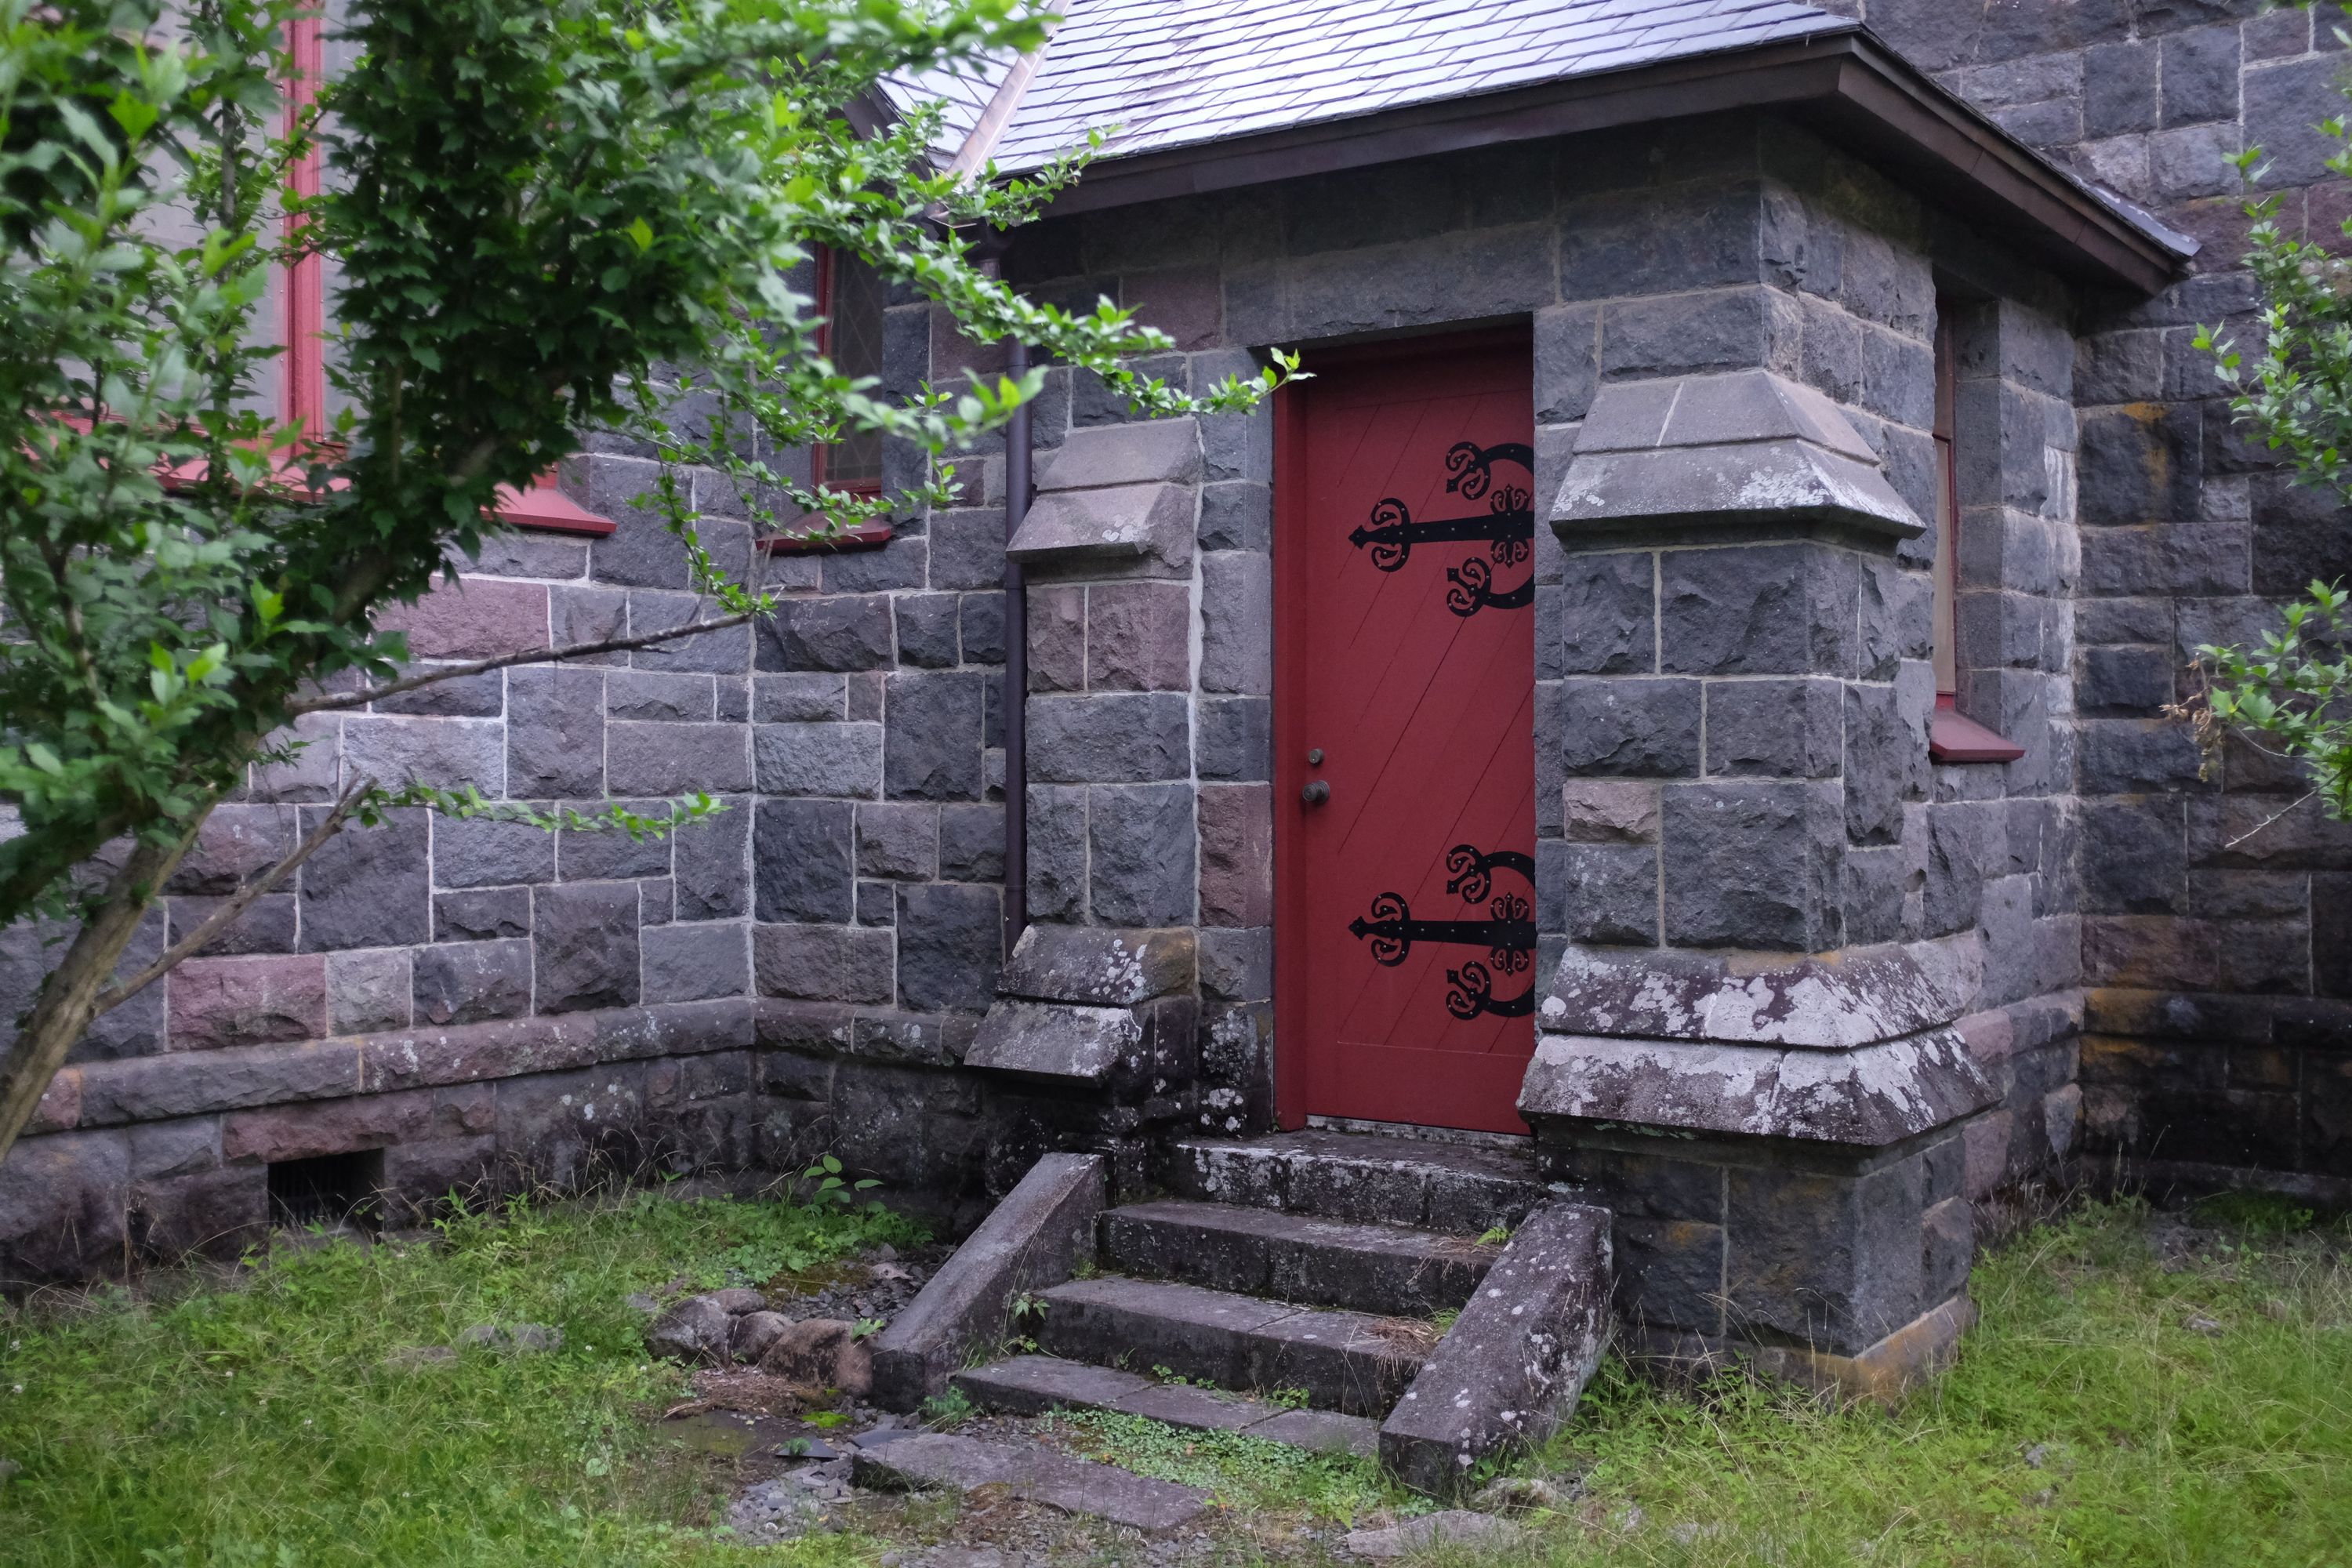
[
  {"x": 1732, "y": 746},
  {"x": 2217, "y": 958},
  {"x": 489, "y": 1003}
]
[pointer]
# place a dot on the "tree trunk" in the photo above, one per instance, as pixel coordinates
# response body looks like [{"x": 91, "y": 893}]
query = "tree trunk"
[{"x": 70, "y": 996}]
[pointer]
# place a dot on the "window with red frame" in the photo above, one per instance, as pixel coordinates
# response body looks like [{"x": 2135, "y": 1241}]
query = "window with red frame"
[
  {"x": 302, "y": 393},
  {"x": 850, "y": 296}
]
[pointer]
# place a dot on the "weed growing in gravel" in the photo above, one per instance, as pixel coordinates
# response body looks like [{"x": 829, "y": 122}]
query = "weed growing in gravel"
[{"x": 1243, "y": 1472}]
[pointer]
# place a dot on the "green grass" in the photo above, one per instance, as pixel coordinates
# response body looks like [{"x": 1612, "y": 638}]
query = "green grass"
[
  {"x": 1247, "y": 1474},
  {"x": 2159, "y": 1443},
  {"x": 259, "y": 1424}
]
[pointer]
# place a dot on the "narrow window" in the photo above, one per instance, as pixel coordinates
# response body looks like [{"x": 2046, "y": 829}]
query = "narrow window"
[
  {"x": 850, "y": 296},
  {"x": 1951, "y": 737},
  {"x": 1948, "y": 508}
]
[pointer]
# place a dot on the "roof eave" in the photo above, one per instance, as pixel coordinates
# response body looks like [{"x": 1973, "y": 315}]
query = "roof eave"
[{"x": 1845, "y": 82}]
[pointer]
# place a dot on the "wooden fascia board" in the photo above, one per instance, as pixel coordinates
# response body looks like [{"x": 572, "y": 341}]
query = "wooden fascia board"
[{"x": 1846, "y": 80}]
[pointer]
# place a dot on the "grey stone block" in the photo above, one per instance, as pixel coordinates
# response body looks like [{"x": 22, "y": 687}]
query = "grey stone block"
[
  {"x": 1786, "y": 729},
  {"x": 950, "y": 942},
  {"x": 898, "y": 839},
  {"x": 585, "y": 938},
  {"x": 967, "y": 548},
  {"x": 1235, "y": 739},
  {"x": 449, "y": 753},
  {"x": 1237, "y": 515},
  {"x": 848, "y": 633},
  {"x": 801, "y": 860},
  {"x": 1142, "y": 854},
  {"x": 676, "y": 759},
  {"x": 1139, "y": 636},
  {"x": 1109, "y": 738},
  {"x": 982, "y": 617},
  {"x": 368, "y": 991},
  {"x": 1618, "y": 725},
  {"x": 971, "y": 842},
  {"x": 929, "y": 636},
  {"x": 1036, "y": 1236},
  {"x": 1511, "y": 1367},
  {"x": 843, "y": 761},
  {"x": 556, "y": 739},
  {"x": 1057, "y": 851},
  {"x": 481, "y": 915},
  {"x": 2119, "y": 89},
  {"x": 824, "y": 962},
  {"x": 710, "y": 863},
  {"x": 465, "y": 982},
  {"x": 2201, "y": 75},
  {"x": 1237, "y": 622},
  {"x": 726, "y": 650},
  {"x": 799, "y": 697},
  {"x": 598, "y": 857},
  {"x": 366, "y": 886},
  {"x": 1752, "y": 865},
  {"x": 932, "y": 736},
  {"x": 1610, "y": 892},
  {"x": 654, "y": 697},
  {"x": 696, "y": 962},
  {"x": 1237, "y": 965},
  {"x": 1773, "y": 609},
  {"x": 1607, "y": 620},
  {"x": 1100, "y": 965}
]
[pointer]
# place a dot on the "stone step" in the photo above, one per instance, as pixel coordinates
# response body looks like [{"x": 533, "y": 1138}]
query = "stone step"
[
  {"x": 1389, "y": 1269},
  {"x": 1033, "y": 1474},
  {"x": 1349, "y": 1362},
  {"x": 1034, "y": 1384},
  {"x": 1456, "y": 1189}
]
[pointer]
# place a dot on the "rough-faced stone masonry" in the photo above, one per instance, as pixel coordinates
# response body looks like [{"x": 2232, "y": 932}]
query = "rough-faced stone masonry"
[
  {"x": 2217, "y": 960},
  {"x": 1864, "y": 978}
]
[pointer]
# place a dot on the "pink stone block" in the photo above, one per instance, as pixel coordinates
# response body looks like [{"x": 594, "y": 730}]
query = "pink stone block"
[
  {"x": 1139, "y": 636},
  {"x": 326, "y": 1126},
  {"x": 1236, "y": 855},
  {"x": 247, "y": 1001},
  {"x": 480, "y": 618}
]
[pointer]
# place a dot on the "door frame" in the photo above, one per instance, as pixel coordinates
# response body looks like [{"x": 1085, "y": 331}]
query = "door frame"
[{"x": 1291, "y": 653}]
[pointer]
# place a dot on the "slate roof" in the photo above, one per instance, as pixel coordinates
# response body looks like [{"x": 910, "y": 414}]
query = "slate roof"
[{"x": 1158, "y": 73}]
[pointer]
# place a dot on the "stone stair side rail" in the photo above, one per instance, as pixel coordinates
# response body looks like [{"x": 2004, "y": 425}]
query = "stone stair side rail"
[{"x": 1039, "y": 1235}]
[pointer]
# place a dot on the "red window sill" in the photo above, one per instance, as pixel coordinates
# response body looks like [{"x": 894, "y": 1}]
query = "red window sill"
[
  {"x": 1952, "y": 737},
  {"x": 548, "y": 509},
  {"x": 865, "y": 536}
]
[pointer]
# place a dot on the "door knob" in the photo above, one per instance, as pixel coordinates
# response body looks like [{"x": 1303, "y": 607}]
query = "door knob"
[{"x": 1316, "y": 794}]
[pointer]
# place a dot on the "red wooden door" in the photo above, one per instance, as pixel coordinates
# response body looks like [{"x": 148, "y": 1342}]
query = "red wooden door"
[{"x": 1405, "y": 901}]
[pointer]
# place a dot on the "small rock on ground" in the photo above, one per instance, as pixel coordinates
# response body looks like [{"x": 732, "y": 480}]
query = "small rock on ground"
[
  {"x": 1456, "y": 1527},
  {"x": 1526, "y": 1494},
  {"x": 776, "y": 1510}
]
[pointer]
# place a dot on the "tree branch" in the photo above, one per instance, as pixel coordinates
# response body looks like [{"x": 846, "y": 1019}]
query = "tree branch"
[
  {"x": 69, "y": 998},
  {"x": 529, "y": 656},
  {"x": 236, "y": 903},
  {"x": 2266, "y": 821}
]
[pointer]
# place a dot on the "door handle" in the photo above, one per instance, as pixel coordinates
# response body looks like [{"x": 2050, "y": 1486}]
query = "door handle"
[{"x": 1315, "y": 794}]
